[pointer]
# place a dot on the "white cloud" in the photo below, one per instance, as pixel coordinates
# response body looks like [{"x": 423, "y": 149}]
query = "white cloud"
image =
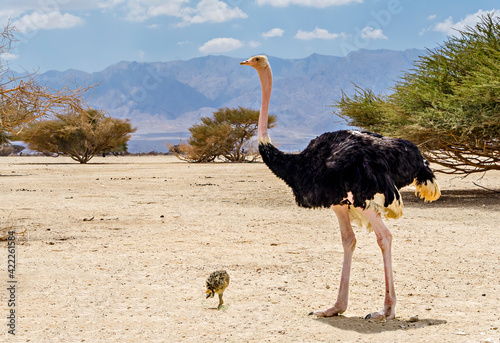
[
  {"x": 47, "y": 21},
  {"x": 317, "y": 33},
  {"x": 220, "y": 45},
  {"x": 189, "y": 11},
  {"x": 446, "y": 26},
  {"x": 213, "y": 11},
  {"x": 5, "y": 14},
  {"x": 205, "y": 11},
  {"x": 431, "y": 17},
  {"x": 141, "y": 10},
  {"x": 54, "y": 5},
  {"x": 424, "y": 30},
  {"x": 450, "y": 28},
  {"x": 15, "y": 9},
  {"x": 276, "y": 32},
  {"x": 7, "y": 56},
  {"x": 108, "y": 4},
  {"x": 309, "y": 3},
  {"x": 371, "y": 33}
]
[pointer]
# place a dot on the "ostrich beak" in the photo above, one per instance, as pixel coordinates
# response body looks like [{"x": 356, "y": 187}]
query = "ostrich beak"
[
  {"x": 245, "y": 63},
  {"x": 209, "y": 293}
]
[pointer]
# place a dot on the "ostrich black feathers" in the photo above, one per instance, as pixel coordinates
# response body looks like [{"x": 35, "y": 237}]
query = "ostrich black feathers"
[{"x": 339, "y": 162}]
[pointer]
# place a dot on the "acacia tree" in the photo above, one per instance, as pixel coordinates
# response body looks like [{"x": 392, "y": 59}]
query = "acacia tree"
[
  {"x": 6, "y": 146},
  {"x": 227, "y": 134},
  {"x": 448, "y": 103},
  {"x": 80, "y": 136},
  {"x": 23, "y": 99}
]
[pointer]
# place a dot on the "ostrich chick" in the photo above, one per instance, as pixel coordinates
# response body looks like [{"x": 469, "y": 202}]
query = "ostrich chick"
[{"x": 217, "y": 282}]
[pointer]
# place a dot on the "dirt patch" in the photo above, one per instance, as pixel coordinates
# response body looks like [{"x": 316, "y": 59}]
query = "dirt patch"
[{"x": 119, "y": 250}]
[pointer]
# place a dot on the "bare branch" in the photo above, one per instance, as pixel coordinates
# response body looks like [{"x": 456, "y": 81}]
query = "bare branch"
[{"x": 24, "y": 99}]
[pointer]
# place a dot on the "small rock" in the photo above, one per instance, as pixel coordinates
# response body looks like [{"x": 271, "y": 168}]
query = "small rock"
[{"x": 414, "y": 319}]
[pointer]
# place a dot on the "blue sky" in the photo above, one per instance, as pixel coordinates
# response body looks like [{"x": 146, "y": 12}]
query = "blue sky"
[{"x": 93, "y": 34}]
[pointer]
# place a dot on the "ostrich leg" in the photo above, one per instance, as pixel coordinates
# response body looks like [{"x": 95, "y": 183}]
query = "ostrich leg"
[
  {"x": 220, "y": 301},
  {"x": 348, "y": 243},
  {"x": 384, "y": 240}
]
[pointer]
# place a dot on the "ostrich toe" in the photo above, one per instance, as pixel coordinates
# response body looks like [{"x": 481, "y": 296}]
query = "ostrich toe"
[{"x": 330, "y": 312}]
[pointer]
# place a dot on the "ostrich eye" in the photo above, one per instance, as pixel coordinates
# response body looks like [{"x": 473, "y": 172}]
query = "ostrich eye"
[{"x": 257, "y": 59}]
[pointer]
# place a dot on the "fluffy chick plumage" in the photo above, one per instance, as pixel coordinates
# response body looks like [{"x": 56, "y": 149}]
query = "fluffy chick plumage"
[{"x": 217, "y": 282}]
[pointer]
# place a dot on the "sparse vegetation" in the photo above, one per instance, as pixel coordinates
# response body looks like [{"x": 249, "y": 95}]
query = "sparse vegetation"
[
  {"x": 24, "y": 99},
  {"x": 448, "y": 103},
  {"x": 80, "y": 136},
  {"x": 227, "y": 134},
  {"x": 6, "y": 146}
]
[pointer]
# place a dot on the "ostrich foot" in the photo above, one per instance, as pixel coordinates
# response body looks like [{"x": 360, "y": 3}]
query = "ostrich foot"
[
  {"x": 332, "y": 311},
  {"x": 386, "y": 313}
]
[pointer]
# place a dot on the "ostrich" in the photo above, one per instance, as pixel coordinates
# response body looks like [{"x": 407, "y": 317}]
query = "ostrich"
[
  {"x": 358, "y": 175},
  {"x": 217, "y": 282}
]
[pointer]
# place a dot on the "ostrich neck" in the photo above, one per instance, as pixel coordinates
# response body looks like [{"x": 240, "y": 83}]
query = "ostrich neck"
[
  {"x": 281, "y": 164},
  {"x": 266, "y": 83}
]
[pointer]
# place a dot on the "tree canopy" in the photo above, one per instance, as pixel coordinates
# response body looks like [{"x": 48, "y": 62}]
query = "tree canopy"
[
  {"x": 80, "y": 136},
  {"x": 448, "y": 104},
  {"x": 227, "y": 134},
  {"x": 23, "y": 99}
]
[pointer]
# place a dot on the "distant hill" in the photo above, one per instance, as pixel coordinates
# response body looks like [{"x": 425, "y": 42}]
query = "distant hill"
[{"x": 164, "y": 99}]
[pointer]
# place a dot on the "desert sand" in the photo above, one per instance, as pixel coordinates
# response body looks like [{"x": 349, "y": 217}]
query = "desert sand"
[{"x": 118, "y": 250}]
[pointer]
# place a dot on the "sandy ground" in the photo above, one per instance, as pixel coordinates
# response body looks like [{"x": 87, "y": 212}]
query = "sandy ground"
[{"x": 119, "y": 250}]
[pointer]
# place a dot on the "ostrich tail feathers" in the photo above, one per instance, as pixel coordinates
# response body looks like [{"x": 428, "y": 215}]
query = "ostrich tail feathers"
[{"x": 429, "y": 190}]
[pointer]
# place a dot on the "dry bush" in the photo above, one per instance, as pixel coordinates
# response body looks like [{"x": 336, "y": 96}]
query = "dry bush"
[
  {"x": 24, "y": 99},
  {"x": 227, "y": 135}
]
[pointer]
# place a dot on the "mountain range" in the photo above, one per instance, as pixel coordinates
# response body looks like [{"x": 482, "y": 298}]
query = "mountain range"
[{"x": 163, "y": 99}]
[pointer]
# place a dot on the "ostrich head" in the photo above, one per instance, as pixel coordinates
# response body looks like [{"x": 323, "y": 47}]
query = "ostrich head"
[
  {"x": 258, "y": 62},
  {"x": 210, "y": 293}
]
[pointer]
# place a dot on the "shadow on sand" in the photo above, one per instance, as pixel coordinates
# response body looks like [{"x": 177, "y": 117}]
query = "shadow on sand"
[
  {"x": 454, "y": 198},
  {"x": 361, "y": 325}
]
